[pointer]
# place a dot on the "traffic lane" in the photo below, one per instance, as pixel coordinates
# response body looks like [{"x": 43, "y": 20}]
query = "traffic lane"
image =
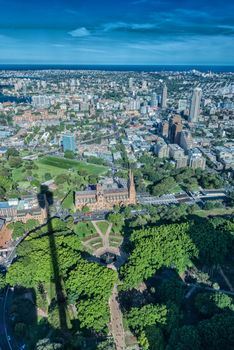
[{"x": 3, "y": 339}]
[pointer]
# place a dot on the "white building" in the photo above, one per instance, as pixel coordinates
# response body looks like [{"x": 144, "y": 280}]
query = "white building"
[{"x": 195, "y": 105}]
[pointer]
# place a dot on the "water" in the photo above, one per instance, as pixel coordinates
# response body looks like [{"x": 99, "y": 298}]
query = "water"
[
  {"x": 23, "y": 99},
  {"x": 119, "y": 68}
]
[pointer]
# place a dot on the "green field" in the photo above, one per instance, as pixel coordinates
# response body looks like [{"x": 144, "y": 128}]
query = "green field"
[
  {"x": 56, "y": 165},
  {"x": 215, "y": 212},
  {"x": 84, "y": 229},
  {"x": 68, "y": 202},
  {"x": 103, "y": 226}
]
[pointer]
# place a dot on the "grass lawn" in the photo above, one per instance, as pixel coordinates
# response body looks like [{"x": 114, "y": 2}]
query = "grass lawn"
[
  {"x": 114, "y": 242},
  {"x": 116, "y": 230},
  {"x": 103, "y": 225},
  {"x": 96, "y": 243},
  {"x": 68, "y": 202},
  {"x": 84, "y": 229},
  {"x": 215, "y": 212},
  {"x": 18, "y": 175},
  {"x": 56, "y": 165}
]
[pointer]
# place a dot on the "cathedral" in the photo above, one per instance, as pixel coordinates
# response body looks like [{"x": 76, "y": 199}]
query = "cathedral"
[{"x": 104, "y": 197}]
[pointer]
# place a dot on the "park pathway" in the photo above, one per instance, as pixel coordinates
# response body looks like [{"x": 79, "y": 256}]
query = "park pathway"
[
  {"x": 226, "y": 279},
  {"x": 116, "y": 325},
  {"x": 104, "y": 237}
]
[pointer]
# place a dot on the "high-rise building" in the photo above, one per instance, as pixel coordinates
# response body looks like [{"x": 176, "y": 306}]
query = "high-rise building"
[
  {"x": 164, "y": 128},
  {"x": 182, "y": 105},
  {"x": 154, "y": 100},
  {"x": 144, "y": 85},
  {"x": 164, "y": 97},
  {"x": 186, "y": 140},
  {"x": 175, "y": 128},
  {"x": 195, "y": 105},
  {"x": 161, "y": 149},
  {"x": 69, "y": 143},
  {"x": 196, "y": 160},
  {"x": 40, "y": 101},
  {"x": 130, "y": 83},
  {"x": 177, "y": 153}
]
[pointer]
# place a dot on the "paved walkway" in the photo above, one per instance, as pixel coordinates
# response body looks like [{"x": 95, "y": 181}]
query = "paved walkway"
[
  {"x": 226, "y": 279},
  {"x": 116, "y": 325},
  {"x": 104, "y": 237}
]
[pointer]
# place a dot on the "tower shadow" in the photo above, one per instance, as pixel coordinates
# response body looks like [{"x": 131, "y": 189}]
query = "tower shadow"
[{"x": 45, "y": 200}]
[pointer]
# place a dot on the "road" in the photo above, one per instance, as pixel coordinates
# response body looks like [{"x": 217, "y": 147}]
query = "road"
[
  {"x": 6, "y": 342},
  {"x": 117, "y": 328}
]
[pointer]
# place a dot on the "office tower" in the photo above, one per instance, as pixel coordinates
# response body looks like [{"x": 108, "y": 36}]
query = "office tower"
[
  {"x": 154, "y": 100},
  {"x": 69, "y": 143},
  {"x": 130, "y": 83},
  {"x": 195, "y": 105},
  {"x": 175, "y": 128},
  {"x": 144, "y": 85},
  {"x": 164, "y": 97}
]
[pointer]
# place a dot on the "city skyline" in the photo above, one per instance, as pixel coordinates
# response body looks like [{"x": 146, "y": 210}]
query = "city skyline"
[{"x": 124, "y": 32}]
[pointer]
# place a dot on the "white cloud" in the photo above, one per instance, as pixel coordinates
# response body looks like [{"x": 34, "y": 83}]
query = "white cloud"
[
  {"x": 80, "y": 32},
  {"x": 123, "y": 25}
]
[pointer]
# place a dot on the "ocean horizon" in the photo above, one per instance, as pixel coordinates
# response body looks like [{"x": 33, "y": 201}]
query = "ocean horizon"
[{"x": 119, "y": 68}]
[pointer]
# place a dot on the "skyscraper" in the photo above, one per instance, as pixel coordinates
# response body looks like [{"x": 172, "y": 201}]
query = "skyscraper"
[
  {"x": 131, "y": 83},
  {"x": 154, "y": 100},
  {"x": 175, "y": 128},
  {"x": 195, "y": 105},
  {"x": 164, "y": 97}
]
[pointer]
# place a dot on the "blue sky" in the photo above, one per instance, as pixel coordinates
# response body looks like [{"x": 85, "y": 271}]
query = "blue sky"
[{"x": 117, "y": 32}]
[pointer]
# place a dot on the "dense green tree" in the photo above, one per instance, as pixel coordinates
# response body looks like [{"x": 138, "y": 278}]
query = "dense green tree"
[
  {"x": 61, "y": 179},
  {"x": 91, "y": 286},
  {"x": 94, "y": 313},
  {"x": 20, "y": 329},
  {"x": 147, "y": 315},
  {"x": 171, "y": 290},
  {"x": 12, "y": 152},
  {"x": 48, "y": 176},
  {"x": 167, "y": 245},
  {"x": 166, "y": 185},
  {"x": 184, "y": 338},
  {"x": 209, "y": 304},
  {"x": 18, "y": 229},
  {"x": 214, "y": 244},
  {"x": 218, "y": 332},
  {"x": 230, "y": 199},
  {"x": 69, "y": 154},
  {"x": 2, "y": 281},
  {"x": 15, "y": 162},
  {"x": 152, "y": 338}
]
